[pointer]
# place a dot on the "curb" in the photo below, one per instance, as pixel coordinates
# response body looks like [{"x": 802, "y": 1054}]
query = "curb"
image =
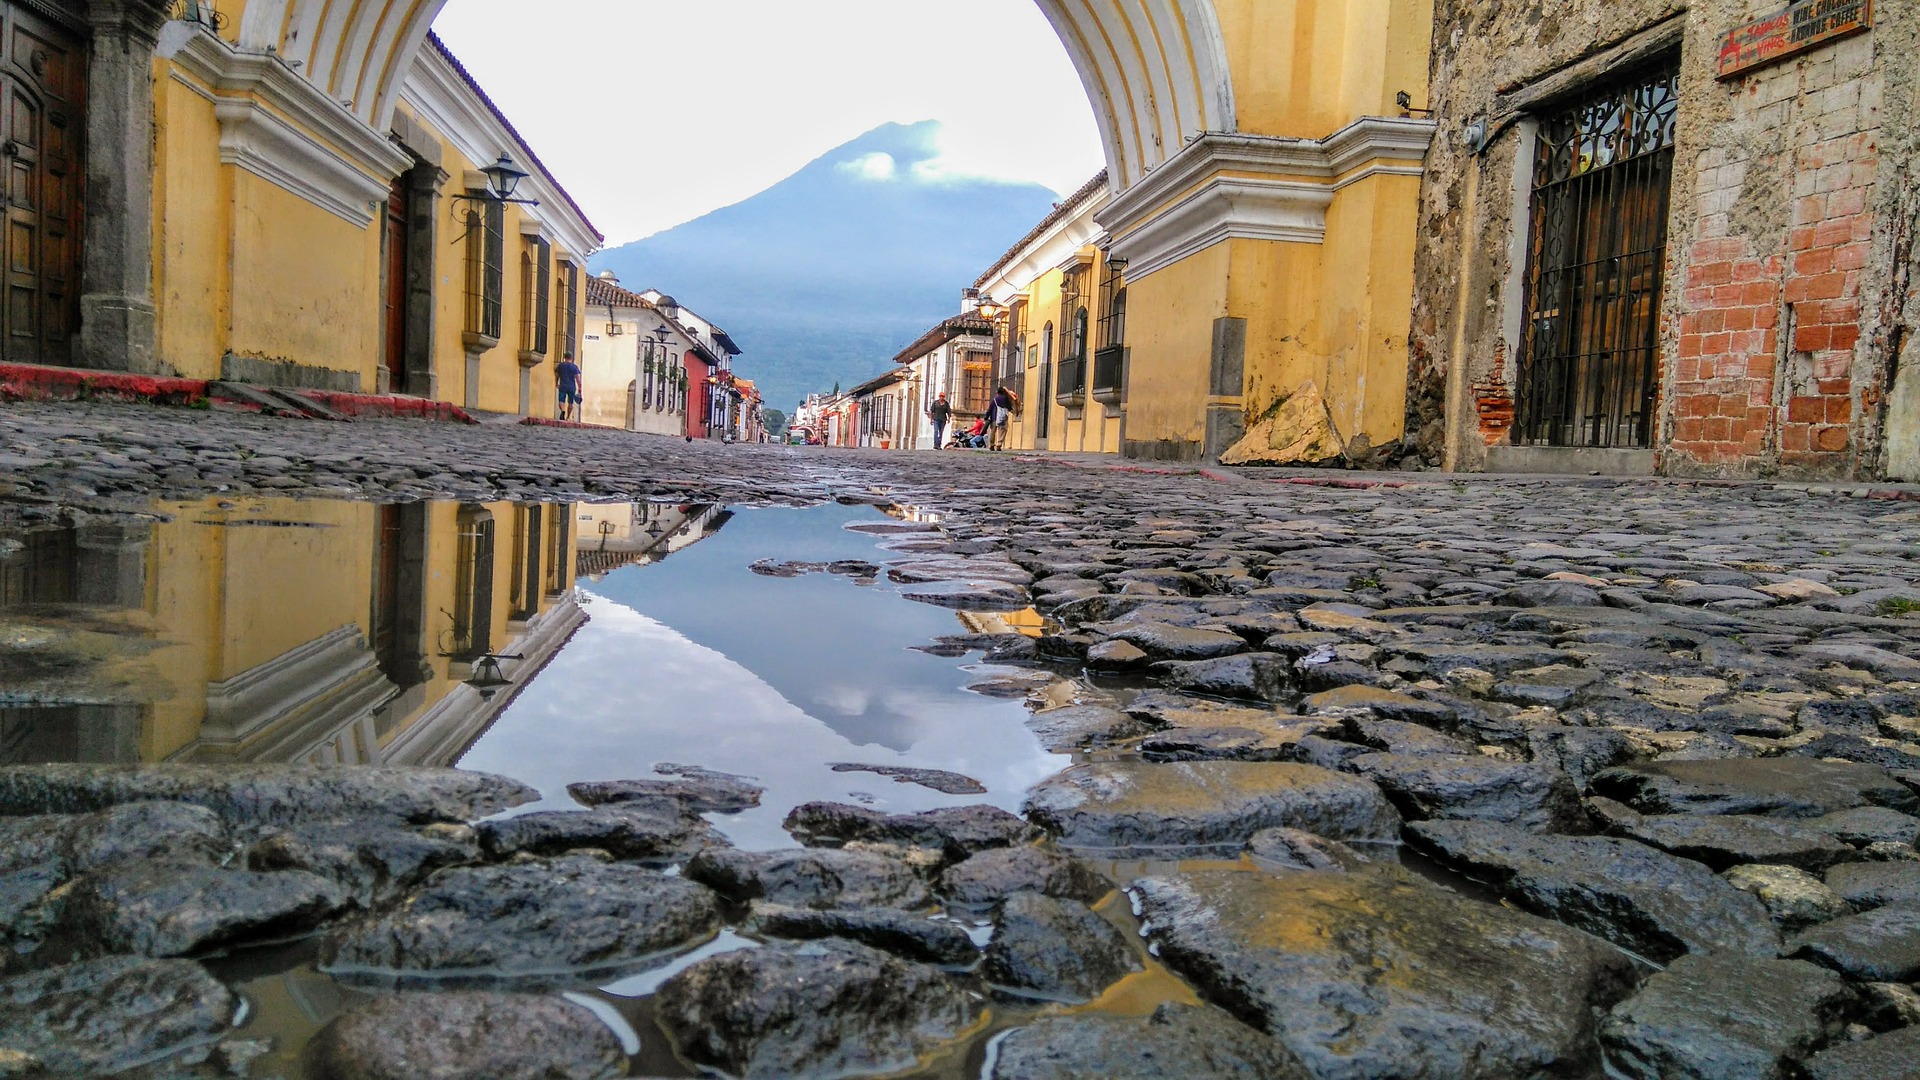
[{"x": 34, "y": 382}]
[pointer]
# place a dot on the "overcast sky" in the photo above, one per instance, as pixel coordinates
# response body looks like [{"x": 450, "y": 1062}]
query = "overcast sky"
[{"x": 653, "y": 112}]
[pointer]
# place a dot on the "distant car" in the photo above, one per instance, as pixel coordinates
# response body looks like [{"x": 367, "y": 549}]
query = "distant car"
[{"x": 799, "y": 437}]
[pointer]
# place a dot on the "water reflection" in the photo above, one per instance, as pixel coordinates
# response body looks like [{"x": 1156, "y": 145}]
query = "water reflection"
[
  {"x": 275, "y": 630},
  {"x": 700, "y": 661}
]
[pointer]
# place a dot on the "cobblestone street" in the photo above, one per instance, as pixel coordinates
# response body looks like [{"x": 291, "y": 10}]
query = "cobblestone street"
[{"x": 1674, "y": 725}]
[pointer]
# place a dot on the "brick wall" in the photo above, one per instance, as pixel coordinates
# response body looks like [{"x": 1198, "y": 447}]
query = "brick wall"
[{"x": 1769, "y": 323}]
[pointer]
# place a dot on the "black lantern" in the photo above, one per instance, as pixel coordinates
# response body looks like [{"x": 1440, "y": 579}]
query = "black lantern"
[
  {"x": 503, "y": 178},
  {"x": 487, "y": 677}
]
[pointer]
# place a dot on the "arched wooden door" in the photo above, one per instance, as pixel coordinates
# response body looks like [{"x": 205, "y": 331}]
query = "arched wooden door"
[{"x": 42, "y": 88}]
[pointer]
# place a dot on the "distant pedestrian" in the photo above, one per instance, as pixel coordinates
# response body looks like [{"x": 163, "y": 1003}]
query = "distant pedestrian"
[
  {"x": 999, "y": 414},
  {"x": 567, "y": 384},
  {"x": 939, "y": 412}
]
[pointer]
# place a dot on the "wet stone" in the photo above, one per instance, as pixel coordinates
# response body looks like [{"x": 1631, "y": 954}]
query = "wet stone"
[
  {"x": 1882, "y": 945},
  {"x": 1204, "y": 806},
  {"x": 370, "y": 863},
  {"x": 1161, "y": 641},
  {"x": 811, "y": 878},
  {"x": 469, "y": 1036},
  {"x": 266, "y": 794},
  {"x": 1795, "y": 898},
  {"x": 1641, "y": 899},
  {"x": 530, "y": 920},
  {"x": 1054, "y": 949},
  {"x": 164, "y": 908},
  {"x": 702, "y": 790},
  {"x": 1356, "y": 701},
  {"x": 109, "y": 1015},
  {"x": 1399, "y": 737},
  {"x": 957, "y": 831},
  {"x": 991, "y": 876},
  {"x": 1246, "y": 677},
  {"x": 1376, "y": 974},
  {"x": 948, "y": 783},
  {"x": 1267, "y": 738},
  {"x": 1075, "y": 726},
  {"x": 1176, "y": 1041},
  {"x": 1869, "y": 825},
  {"x": 1282, "y": 850},
  {"x": 1893, "y": 1056},
  {"x": 1723, "y": 1016},
  {"x": 904, "y": 934},
  {"x": 828, "y": 1008},
  {"x": 1116, "y": 655},
  {"x": 1581, "y": 753},
  {"x": 1732, "y": 840},
  {"x": 1459, "y": 787},
  {"x": 625, "y": 831},
  {"x": 1876, "y": 884},
  {"x": 1775, "y": 787}
]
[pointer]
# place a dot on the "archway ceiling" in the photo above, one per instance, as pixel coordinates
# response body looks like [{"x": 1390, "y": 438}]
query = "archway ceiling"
[{"x": 1154, "y": 70}]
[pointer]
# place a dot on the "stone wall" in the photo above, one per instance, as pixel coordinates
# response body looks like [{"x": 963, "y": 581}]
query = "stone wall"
[{"x": 1789, "y": 260}]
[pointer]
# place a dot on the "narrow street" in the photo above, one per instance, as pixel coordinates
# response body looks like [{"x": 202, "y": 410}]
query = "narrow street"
[{"x": 1438, "y": 763}]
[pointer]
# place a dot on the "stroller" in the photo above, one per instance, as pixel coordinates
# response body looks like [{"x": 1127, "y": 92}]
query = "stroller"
[{"x": 974, "y": 438}]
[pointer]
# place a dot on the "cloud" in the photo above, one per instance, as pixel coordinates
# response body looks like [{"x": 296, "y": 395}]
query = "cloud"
[{"x": 875, "y": 167}]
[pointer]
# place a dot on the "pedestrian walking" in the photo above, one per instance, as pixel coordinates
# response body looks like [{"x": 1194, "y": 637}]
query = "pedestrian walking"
[
  {"x": 567, "y": 385},
  {"x": 999, "y": 414},
  {"x": 939, "y": 412}
]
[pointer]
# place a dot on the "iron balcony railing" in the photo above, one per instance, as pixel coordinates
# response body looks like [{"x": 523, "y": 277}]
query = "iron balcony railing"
[
  {"x": 1108, "y": 371},
  {"x": 1072, "y": 387}
]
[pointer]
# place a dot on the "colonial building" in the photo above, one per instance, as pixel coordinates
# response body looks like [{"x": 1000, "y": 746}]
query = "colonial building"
[
  {"x": 1059, "y": 307},
  {"x": 882, "y": 413},
  {"x": 634, "y": 362},
  {"x": 713, "y": 399},
  {"x": 266, "y": 205},
  {"x": 1677, "y": 240},
  {"x": 365, "y": 639},
  {"x": 954, "y": 358}
]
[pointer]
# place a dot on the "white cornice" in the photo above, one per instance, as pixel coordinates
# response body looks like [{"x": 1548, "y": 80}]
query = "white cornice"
[
  {"x": 442, "y": 98},
  {"x": 1046, "y": 252},
  {"x": 280, "y": 127},
  {"x": 1187, "y": 205}
]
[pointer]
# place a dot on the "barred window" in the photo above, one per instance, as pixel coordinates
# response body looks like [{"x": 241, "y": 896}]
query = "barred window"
[
  {"x": 566, "y": 315},
  {"x": 1602, "y": 180},
  {"x": 472, "y": 629},
  {"x": 536, "y": 287},
  {"x": 977, "y": 387},
  {"x": 486, "y": 265}
]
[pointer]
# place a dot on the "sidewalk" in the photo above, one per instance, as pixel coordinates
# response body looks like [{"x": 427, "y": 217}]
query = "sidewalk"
[{"x": 35, "y": 382}]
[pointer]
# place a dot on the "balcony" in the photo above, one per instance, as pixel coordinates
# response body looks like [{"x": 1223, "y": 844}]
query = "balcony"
[
  {"x": 1109, "y": 374},
  {"x": 1071, "y": 390}
]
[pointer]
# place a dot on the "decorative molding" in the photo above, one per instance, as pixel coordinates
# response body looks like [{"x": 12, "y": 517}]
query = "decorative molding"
[
  {"x": 1049, "y": 251},
  {"x": 441, "y": 98},
  {"x": 291, "y": 705},
  {"x": 280, "y": 127},
  {"x": 1190, "y": 204}
]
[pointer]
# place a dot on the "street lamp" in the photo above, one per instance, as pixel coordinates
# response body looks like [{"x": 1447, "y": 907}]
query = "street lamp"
[{"x": 503, "y": 179}]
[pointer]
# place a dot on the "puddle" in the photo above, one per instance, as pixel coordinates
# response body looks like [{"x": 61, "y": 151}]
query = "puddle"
[{"x": 553, "y": 644}]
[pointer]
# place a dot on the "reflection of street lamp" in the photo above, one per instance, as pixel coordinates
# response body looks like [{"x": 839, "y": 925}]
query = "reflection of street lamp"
[
  {"x": 487, "y": 676},
  {"x": 657, "y": 341},
  {"x": 606, "y": 531}
]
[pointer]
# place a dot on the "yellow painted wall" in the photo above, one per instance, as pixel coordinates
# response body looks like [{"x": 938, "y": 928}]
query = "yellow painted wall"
[
  {"x": 1306, "y": 68},
  {"x": 1170, "y": 317},
  {"x": 192, "y": 196},
  {"x": 1368, "y": 259},
  {"x": 309, "y": 282}
]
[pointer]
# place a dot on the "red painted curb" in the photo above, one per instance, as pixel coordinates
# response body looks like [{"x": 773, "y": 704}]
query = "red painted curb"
[
  {"x": 34, "y": 382},
  {"x": 31, "y": 382}
]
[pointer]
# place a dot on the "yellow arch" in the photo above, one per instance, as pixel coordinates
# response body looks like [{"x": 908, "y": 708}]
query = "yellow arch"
[{"x": 1155, "y": 70}]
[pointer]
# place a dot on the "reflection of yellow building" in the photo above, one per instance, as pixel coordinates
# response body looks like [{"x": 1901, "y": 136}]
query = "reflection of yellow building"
[
  {"x": 613, "y": 535},
  {"x": 332, "y": 633}
]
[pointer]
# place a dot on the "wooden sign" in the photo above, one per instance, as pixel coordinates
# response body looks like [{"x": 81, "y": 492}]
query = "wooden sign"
[{"x": 1804, "y": 25}]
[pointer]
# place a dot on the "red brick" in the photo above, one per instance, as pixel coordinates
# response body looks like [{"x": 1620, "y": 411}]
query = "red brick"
[
  {"x": 1801, "y": 238},
  {"x": 1716, "y": 344},
  {"x": 1832, "y": 439},
  {"x": 1689, "y": 430},
  {"x": 1738, "y": 319},
  {"x": 1828, "y": 286},
  {"x": 1806, "y": 410},
  {"x": 1839, "y": 410},
  {"x": 1760, "y": 368},
  {"x": 1759, "y": 294},
  {"x": 1713, "y": 273},
  {"x": 1766, "y": 318},
  {"x": 1794, "y": 438},
  {"x": 1850, "y": 256},
  {"x": 1816, "y": 261},
  {"x": 1847, "y": 201},
  {"x": 1846, "y": 336},
  {"x": 1834, "y": 232},
  {"x": 1812, "y": 338}
]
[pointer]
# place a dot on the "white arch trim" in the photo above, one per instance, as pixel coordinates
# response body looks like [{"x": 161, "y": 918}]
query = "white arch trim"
[{"x": 1154, "y": 70}]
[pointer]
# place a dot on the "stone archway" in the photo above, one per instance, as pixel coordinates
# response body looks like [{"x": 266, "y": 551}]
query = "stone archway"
[{"x": 1155, "y": 70}]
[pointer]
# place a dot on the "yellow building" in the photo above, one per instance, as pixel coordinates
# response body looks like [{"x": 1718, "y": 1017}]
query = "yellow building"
[
  {"x": 283, "y": 631},
  {"x": 1262, "y": 183}
]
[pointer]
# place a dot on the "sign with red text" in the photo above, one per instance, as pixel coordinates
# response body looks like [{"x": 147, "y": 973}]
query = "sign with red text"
[{"x": 1807, "y": 24}]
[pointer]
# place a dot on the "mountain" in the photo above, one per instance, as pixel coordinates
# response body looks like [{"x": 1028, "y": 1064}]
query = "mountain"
[{"x": 823, "y": 277}]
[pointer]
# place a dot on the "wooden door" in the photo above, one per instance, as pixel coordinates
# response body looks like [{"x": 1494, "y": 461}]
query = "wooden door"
[
  {"x": 42, "y": 88},
  {"x": 393, "y": 354}
]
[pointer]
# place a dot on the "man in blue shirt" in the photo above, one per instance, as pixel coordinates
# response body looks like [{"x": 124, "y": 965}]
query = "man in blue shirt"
[{"x": 567, "y": 377}]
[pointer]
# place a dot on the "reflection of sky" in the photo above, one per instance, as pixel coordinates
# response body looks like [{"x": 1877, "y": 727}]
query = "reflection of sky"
[{"x": 699, "y": 661}]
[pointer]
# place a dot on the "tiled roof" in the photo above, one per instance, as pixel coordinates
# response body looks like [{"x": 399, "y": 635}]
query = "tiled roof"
[
  {"x": 958, "y": 326},
  {"x": 1060, "y": 213},
  {"x": 473, "y": 84},
  {"x": 601, "y": 292}
]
